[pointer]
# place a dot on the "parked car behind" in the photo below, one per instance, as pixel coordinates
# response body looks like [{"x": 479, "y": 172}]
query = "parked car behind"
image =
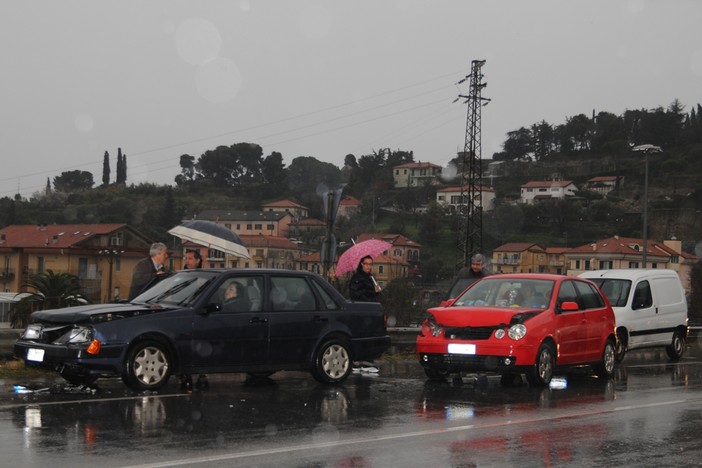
[
  {"x": 649, "y": 306},
  {"x": 520, "y": 324},
  {"x": 280, "y": 320}
]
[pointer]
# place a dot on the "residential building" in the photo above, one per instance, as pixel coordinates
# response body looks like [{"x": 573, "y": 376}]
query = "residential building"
[
  {"x": 308, "y": 231},
  {"x": 102, "y": 256},
  {"x": 555, "y": 260},
  {"x": 627, "y": 252},
  {"x": 403, "y": 249},
  {"x": 546, "y": 190},
  {"x": 519, "y": 257},
  {"x": 268, "y": 252},
  {"x": 249, "y": 223},
  {"x": 297, "y": 211},
  {"x": 348, "y": 206},
  {"x": 452, "y": 197},
  {"x": 604, "y": 184},
  {"x": 416, "y": 174}
]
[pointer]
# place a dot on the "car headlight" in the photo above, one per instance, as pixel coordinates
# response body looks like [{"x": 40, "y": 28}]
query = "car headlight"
[
  {"x": 517, "y": 332},
  {"x": 431, "y": 327},
  {"x": 76, "y": 335},
  {"x": 32, "y": 332}
]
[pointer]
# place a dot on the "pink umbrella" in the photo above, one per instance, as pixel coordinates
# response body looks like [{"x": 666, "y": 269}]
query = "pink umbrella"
[{"x": 348, "y": 261}]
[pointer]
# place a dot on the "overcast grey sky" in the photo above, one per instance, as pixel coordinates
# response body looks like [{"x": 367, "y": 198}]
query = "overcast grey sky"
[{"x": 319, "y": 78}]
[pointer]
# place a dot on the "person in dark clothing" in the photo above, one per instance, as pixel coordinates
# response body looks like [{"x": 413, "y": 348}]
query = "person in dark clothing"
[
  {"x": 362, "y": 286},
  {"x": 193, "y": 260},
  {"x": 468, "y": 275},
  {"x": 148, "y": 269}
]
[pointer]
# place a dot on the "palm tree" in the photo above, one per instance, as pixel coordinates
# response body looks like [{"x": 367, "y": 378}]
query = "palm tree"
[{"x": 51, "y": 291}]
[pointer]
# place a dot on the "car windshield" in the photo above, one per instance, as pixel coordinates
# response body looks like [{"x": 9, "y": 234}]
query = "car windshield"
[
  {"x": 616, "y": 290},
  {"x": 492, "y": 292},
  {"x": 180, "y": 289}
]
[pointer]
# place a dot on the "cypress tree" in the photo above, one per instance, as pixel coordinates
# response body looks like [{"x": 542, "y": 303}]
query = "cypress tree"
[{"x": 106, "y": 169}]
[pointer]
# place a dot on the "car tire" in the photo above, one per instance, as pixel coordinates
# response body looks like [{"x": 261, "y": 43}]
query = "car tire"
[
  {"x": 677, "y": 347},
  {"x": 605, "y": 368},
  {"x": 540, "y": 373},
  {"x": 148, "y": 366},
  {"x": 436, "y": 374},
  {"x": 332, "y": 362},
  {"x": 620, "y": 350}
]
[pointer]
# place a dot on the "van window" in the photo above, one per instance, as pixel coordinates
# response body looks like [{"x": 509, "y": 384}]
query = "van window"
[
  {"x": 616, "y": 290},
  {"x": 642, "y": 296}
]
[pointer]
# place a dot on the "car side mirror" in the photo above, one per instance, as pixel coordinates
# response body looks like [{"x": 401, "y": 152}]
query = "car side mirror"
[
  {"x": 447, "y": 303},
  {"x": 569, "y": 306},
  {"x": 211, "y": 307}
]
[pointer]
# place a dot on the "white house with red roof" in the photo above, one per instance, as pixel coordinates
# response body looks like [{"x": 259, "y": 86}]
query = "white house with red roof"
[
  {"x": 547, "y": 190},
  {"x": 348, "y": 206},
  {"x": 604, "y": 184},
  {"x": 454, "y": 197}
]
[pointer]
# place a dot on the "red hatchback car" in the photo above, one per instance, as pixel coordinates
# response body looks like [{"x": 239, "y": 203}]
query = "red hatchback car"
[{"x": 520, "y": 324}]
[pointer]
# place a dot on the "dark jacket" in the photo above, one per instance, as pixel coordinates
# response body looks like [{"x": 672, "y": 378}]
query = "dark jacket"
[
  {"x": 361, "y": 287},
  {"x": 142, "y": 275}
]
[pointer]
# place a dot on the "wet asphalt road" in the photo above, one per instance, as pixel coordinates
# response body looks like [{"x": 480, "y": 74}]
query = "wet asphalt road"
[{"x": 649, "y": 415}]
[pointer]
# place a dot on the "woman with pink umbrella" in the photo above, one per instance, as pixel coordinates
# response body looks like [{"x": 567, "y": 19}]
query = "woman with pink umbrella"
[{"x": 362, "y": 285}]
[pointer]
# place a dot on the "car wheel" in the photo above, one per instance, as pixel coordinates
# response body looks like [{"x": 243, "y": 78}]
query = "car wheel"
[
  {"x": 620, "y": 350},
  {"x": 148, "y": 366},
  {"x": 677, "y": 346},
  {"x": 77, "y": 379},
  {"x": 605, "y": 368},
  {"x": 332, "y": 363},
  {"x": 435, "y": 374},
  {"x": 540, "y": 373}
]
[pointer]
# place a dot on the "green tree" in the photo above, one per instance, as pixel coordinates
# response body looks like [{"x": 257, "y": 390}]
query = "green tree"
[
  {"x": 72, "y": 181},
  {"x": 274, "y": 174},
  {"x": 106, "y": 168},
  {"x": 48, "y": 290}
]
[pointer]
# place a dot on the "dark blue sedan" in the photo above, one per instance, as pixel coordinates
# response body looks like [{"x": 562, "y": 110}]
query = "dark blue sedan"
[{"x": 210, "y": 321}]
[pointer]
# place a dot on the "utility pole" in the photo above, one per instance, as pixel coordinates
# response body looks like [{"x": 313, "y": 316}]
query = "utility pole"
[{"x": 470, "y": 208}]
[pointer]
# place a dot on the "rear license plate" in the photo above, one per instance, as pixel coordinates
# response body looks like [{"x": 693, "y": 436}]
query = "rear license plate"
[
  {"x": 34, "y": 354},
  {"x": 459, "y": 348}
]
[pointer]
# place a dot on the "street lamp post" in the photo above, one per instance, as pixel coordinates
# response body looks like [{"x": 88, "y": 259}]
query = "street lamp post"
[{"x": 646, "y": 149}]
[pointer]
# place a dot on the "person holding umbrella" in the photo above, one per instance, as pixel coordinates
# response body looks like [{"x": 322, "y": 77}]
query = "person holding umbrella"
[{"x": 362, "y": 285}]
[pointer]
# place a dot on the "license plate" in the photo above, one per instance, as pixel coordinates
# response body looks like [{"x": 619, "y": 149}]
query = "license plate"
[
  {"x": 459, "y": 348},
  {"x": 34, "y": 354}
]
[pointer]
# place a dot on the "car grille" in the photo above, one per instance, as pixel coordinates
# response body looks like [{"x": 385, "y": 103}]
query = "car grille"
[
  {"x": 460, "y": 361},
  {"x": 468, "y": 333}
]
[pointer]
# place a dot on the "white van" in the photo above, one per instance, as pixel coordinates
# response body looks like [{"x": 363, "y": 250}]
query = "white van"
[{"x": 649, "y": 306}]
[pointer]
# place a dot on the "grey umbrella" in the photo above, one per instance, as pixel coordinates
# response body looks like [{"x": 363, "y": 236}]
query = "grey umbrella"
[{"x": 211, "y": 235}]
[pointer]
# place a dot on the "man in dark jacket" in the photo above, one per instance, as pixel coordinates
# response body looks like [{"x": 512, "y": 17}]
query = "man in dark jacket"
[
  {"x": 148, "y": 269},
  {"x": 469, "y": 275}
]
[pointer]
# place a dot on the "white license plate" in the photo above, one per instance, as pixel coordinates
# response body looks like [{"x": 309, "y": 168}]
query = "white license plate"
[
  {"x": 34, "y": 354},
  {"x": 459, "y": 348}
]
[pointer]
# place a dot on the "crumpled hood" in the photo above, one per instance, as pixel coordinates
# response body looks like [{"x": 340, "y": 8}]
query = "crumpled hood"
[
  {"x": 481, "y": 316},
  {"x": 85, "y": 313}
]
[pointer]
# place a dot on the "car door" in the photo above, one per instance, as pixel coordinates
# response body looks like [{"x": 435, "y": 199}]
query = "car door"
[
  {"x": 598, "y": 320},
  {"x": 232, "y": 337},
  {"x": 643, "y": 315},
  {"x": 296, "y": 319},
  {"x": 570, "y": 329}
]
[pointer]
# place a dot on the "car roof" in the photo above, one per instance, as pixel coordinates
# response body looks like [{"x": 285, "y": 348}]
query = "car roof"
[
  {"x": 531, "y": 276},
  {"x": 629, "y": 274}
]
